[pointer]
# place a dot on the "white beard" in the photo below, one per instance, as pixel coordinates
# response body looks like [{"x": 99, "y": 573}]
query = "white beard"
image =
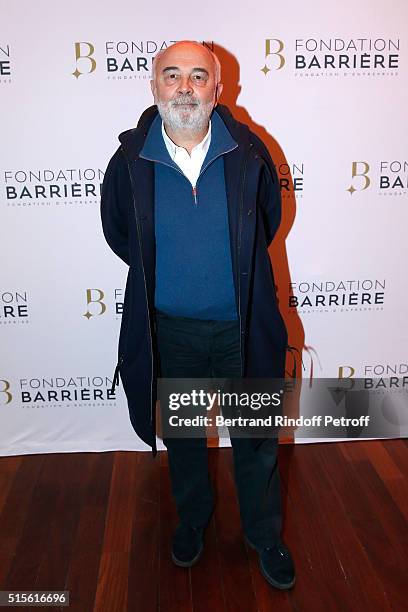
[{"x": 194, "y": 118}]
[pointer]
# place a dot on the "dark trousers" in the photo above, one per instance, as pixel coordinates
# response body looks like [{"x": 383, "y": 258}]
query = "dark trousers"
[{"x": 194, "y": 348}]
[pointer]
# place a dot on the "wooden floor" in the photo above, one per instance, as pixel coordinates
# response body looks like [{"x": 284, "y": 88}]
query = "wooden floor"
[{"x": 100, "y": 524}]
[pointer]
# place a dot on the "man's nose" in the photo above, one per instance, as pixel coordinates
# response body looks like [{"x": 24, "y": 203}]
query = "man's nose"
[{"x": 185, "y": 85}]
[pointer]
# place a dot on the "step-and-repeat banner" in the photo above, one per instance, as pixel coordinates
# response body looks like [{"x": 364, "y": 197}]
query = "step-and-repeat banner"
[{"x": 326, "y": 87}]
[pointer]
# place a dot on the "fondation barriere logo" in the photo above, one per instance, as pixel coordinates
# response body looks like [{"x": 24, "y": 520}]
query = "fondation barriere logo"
[
  {"x": 5, "y": 64},
  {"x": 14, "y": 307},
  {"x": 386, "y": 177},
  {"x": 99, "y": 302},
  {"x": 118, "y": 59},
  {"x": 340, "y": 296},
  {"x": 51, "y": 186},
  {"x": 332, "y": 56},
  {"x": 52, "y": 390},
  {"x": 291, "y": 179},
  {"x": 380, "y": 375}
]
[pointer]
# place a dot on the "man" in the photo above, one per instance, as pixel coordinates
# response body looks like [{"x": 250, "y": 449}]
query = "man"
[{"x": 191, "y": 202}]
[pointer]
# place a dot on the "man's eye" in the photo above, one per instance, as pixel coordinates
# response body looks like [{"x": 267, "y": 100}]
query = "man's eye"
[{"x": 199, "y": 78}]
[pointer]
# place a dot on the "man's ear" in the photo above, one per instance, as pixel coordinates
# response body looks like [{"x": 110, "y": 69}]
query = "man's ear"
[
  {"x": 218, "y": 92},
  {"x": 152, "y": 86}
]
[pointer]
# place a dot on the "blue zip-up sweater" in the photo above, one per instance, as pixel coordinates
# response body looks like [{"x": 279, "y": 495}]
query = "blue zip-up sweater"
[{"x": 193, "y": 255}]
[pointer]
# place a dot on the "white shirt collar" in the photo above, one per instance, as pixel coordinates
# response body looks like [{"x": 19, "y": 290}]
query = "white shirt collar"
[{"x": 201, "y": 148}]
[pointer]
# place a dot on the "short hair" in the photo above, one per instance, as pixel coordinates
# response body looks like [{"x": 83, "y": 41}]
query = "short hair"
[{"x": 194, "y": 42}]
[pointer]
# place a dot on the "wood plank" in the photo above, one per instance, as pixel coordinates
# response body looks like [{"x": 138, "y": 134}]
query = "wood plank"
[
  {"x": 82, "y": 573},
  {"x": 383, "y": 532},
  {"x": 398, "y": 452},
  {"x": 355, "y": 482},
  {"x": 390, "y": 474},
  {"x": 143, "y": 583},
  {"x": 385, "y": 467},
  {"x": 352, "y": 451},
  {"x": 8, "y": 470},
  {"x": 361, "y": 578},
  {"x": 24, "y": 521},
  {"x": 111, "y": 593},
  {"x": 16, "y": 502},
  {"x": 320, "y": 578},
  {"x": 41, "y": 554},
  {"x": 70, "y": 482}
]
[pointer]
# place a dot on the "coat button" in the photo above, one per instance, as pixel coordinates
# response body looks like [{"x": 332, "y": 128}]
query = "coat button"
[{"x": 250, "y": 212}]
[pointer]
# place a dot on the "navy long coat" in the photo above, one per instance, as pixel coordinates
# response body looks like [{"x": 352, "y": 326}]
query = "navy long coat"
[{"x": 254, "y": 212}]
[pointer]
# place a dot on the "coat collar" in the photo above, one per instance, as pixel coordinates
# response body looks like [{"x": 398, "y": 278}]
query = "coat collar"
[
  {"x": 154, "y": 148},
  {"x": 133, "y": 140}
]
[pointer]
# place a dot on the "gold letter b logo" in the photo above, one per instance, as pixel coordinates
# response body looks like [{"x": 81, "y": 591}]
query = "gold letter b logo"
[
  {"x": 98, "y": 300},
  {"x": 273, "y": 46},
  {"x": 364, "y": 174},
  {"x": 84, "y": 53},
  {"x": 6, "y": 391}
]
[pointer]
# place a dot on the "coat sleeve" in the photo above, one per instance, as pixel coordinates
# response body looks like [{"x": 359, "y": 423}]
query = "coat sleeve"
[
  {"x": 269, "y": 192},
  {"x": 116, "y": 201}
]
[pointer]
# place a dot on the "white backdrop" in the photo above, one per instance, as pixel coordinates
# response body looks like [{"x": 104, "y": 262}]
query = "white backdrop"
[{"x": 288, "y": 71}]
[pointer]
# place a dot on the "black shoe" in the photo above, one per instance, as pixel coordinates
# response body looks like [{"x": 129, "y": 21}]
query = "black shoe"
[
  {"x": 187, "y": 545},
  {"x": 276, "y": 565}
]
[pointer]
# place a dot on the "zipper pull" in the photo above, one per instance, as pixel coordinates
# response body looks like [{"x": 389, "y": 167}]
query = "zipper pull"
[
  {"x": 195, "y": 194},
  {"x": 115, "y": 382}
]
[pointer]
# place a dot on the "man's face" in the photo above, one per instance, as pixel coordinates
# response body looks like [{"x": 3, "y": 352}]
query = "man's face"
[{"x": 185, "y": 88}]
